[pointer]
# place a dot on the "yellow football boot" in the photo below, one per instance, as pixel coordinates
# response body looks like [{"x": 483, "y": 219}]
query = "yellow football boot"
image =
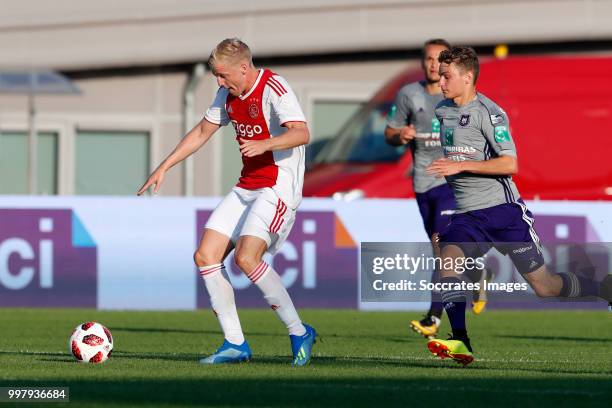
[
  {"x": 426, "y": 327},
  {"x": 458, "y": 350}
]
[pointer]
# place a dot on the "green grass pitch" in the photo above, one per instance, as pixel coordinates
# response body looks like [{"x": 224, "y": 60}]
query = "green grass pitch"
[{"x": 365, "y": 359}]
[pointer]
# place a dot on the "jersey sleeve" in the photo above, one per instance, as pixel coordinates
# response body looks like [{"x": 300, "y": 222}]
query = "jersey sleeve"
[
  {"x": 496, "y": 129},
  {"x": 216, "y": 112},
  {"x": 283, "y": 101},
  {"x": 401, "y": 111}
]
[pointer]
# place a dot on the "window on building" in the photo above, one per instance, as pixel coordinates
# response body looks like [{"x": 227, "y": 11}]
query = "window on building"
[
  {"x": 328, "y": 117},
  {"x": 14, "y": 163},
  {"x": 111, "y": 163}
]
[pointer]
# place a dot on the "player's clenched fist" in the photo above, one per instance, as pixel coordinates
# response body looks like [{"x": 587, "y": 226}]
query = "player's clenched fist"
[
  {"x": 251, "y": 148},
  {"x": 407, "y": 133}
]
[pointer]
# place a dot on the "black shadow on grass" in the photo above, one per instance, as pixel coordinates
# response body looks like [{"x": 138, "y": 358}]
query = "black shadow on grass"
[
  {"x": 364, "y": 363},
  {"x": 558, "y": 338},
  {"x": 59, "y": 360},
  {"x": 325, "y": 361},
  {"x": 324, "y": 336},
  {"x": 331, "y": 391}
]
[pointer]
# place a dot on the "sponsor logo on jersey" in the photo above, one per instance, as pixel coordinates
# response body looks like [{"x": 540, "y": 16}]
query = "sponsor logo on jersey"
[
  {"x": 429, "y": 139},
  {"x": 435, "y": 125},
  {"x": 253, "y": 111},
  {"x": 392, "y": 111},
  {"x": 460, "y": 149},
  {"x": 243, "y": 130},
  {"x": 448, "y": 137},
  {"x": 459, "y": 153},
  {"x": 495, "y": 119},
  {"x": 522, "y": 250},
  {"x": 464, "y": 120},
  {"x": 230, "y": 110},
  {"x": 501, "y": 134}
]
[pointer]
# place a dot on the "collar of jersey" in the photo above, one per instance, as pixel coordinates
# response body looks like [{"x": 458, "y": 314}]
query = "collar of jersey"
[
  {"x": 475, "y": 100},
  {"x": 246, "y": 95}
]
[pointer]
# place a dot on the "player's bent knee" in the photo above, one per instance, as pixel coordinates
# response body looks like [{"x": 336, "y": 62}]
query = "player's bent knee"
[
  {"x": 203, "y": 258},
  {"x": 245, "y": 261},
  {"x": 198, "y": 260}
]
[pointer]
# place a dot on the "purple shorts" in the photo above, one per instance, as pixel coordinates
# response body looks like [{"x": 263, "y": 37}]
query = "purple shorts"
[
  {"x": 436, "y": 207},
  {"x": 505, "y": 227}
]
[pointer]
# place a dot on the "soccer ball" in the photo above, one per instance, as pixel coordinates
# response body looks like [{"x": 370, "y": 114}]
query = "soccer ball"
[{"x": 91, "y": 343}]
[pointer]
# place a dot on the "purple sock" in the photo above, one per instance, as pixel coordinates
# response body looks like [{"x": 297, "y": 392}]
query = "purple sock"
[
  {"x": 454, "y": 304},
  {"x": 578, "y": 286}
]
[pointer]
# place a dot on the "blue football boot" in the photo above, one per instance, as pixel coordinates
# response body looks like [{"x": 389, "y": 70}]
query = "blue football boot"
[
  {"x": 301, "y": 346},
  {"x": 229, "y": 353}
]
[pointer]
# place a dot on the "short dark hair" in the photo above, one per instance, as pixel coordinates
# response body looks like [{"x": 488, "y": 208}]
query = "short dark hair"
[
  {"x": 435, "y": 41},
  {"x": 464, "y": 57}
]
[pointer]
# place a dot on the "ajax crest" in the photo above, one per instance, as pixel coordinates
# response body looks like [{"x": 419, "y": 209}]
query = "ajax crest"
[{"x": 253, "y": 111}]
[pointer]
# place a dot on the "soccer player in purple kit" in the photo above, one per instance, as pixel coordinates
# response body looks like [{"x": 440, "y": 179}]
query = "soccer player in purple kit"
[
  {"x": 480, "y": 159},
  {"x": 412, "y": 122}
]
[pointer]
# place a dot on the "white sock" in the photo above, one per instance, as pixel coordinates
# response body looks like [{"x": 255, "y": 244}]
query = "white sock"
[
  {"x": 222, "y": 301},
  {"x": 271, "y": 285}
]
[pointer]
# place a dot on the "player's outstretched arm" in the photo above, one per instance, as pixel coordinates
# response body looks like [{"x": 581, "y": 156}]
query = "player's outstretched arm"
[
  {"x": 189, "y": 144},
  {"x": 297, "y": 134},
  {"x": 499, "y": 166}
]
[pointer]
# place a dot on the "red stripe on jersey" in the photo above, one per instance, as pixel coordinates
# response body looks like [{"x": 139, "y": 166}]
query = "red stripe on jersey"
[
  {"x": 278, "y": 216},
  {"x": 283, "y": 91},
  {"x": 275, "y": 88},
  {"x": 277, "y": 83},
  {"x": 279, "y": 225},
  {"x": 278, "y": 205},
  {"x": 279, "y": 220}
]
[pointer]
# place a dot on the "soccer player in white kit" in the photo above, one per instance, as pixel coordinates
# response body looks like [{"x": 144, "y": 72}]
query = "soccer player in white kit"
[{"x": 257, "y": 215}]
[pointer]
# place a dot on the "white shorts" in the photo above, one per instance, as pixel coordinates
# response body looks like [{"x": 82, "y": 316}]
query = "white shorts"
[{"x": 258, "y": 213}]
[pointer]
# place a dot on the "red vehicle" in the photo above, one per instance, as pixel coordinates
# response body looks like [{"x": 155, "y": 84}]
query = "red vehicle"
[{"x": 560, "y": 111}]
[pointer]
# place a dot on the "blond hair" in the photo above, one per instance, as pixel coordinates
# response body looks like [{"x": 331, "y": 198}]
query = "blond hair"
[{"x": 231, "y": 50}]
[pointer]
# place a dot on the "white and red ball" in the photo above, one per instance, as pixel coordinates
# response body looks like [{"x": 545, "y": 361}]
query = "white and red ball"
[{"x": 91, "y": 343}]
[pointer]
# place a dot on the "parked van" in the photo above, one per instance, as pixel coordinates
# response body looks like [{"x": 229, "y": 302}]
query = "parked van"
[{"x": 560, "y": 110}]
